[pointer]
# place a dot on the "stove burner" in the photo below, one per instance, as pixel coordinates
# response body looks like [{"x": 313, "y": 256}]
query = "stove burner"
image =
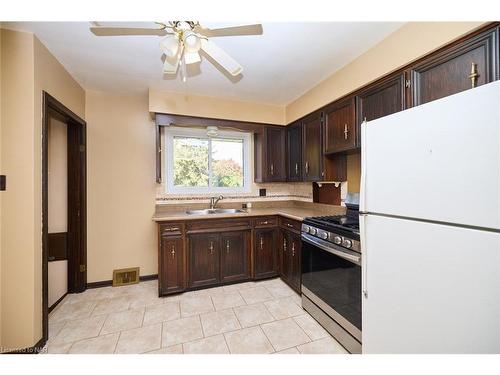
[{"x": 339, "y": 220}]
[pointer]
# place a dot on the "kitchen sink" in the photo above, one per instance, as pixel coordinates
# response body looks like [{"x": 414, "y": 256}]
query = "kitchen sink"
[{"x": 215, "y": 211}]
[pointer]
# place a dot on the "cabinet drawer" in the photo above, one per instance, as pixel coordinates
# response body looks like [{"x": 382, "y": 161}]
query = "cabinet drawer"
[
  {"x": 171, "y": 229},
  {"x": 267, "y": 221},
  {"x": 290, "y": 224},
  {"x": 218, "y": 225}
]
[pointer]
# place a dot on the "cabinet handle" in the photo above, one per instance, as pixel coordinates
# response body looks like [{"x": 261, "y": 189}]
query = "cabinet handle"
[
  {"x": 170, "y": 229},
  {"x": 264, "y": 222},
  {"x": 227, "y": 246},
  {"x": 473, "y": 75},
  {"x": 173, "y": 251},
  {"x": 261, "y": 243},
  {"x": 284, "y": 244},
  {"x": 293, "y": 249},
  {"x": 296, "y": 169},
  {"x": 211, "y": 247},
  {"x": 307, "y": 167},
  {"x": 346, "y": 132},
  {"x": 272, "y": 169},
  {"x": 289, "y": 225}
]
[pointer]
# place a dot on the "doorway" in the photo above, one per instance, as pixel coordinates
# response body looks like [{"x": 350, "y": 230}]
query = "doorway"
[{"x": 64, "y": 232}]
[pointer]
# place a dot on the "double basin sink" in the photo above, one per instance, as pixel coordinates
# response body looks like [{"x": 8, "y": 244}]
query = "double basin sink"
[{"x": 214, "y": 211}]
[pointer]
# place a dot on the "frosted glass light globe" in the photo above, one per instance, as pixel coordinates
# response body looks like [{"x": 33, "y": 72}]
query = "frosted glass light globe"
[
  {"x": 170, "y": 45},
  {"x": 191, "y": 42}
]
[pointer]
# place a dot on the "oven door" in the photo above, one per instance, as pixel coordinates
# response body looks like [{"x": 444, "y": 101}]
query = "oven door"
[{"x": 331, "y": 277}]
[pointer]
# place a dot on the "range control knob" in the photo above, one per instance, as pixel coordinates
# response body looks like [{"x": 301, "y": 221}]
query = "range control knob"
[
  {"x": 306, "y": 228},
  {"x": 337, "y": 240},
  {"x": 312, "y": 231},
  {"x": 323, "y": 235},
  {"x": 347, "y": 243}
]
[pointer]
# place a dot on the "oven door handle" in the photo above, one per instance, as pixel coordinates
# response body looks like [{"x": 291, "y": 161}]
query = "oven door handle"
[{"x": 321, "y": 244}]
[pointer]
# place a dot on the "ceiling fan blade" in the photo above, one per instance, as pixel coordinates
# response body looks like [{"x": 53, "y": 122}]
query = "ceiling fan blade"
[
  {"x": 119, "y": 31},
  {"x": 171, "y": 64},
  {"x": 221, "y": 57},
  {"x": 230, "y": 31}
]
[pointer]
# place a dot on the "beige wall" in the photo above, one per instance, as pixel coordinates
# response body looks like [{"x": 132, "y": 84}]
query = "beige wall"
[
  {"x": 406, "y": 44},
  {"x": 27, "y": 69},
  {"x": 205, "y": 106},
  {"x": 121, "y": 185}
]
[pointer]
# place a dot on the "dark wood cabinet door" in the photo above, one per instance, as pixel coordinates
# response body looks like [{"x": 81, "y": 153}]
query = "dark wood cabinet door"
[
  {"x": 276, "y": 149},
  {"x": 203, "y": 259},
  {"x": 295, "y": 261},
  {"x": 339, "y": 127},
  {"x": 460, "y": 67},
  {"x": 294, "y": 148},
  {"x": 235, "y": 248},
  {"x": 265, "y": 253},
  {"x": 312, "y": 153},
  {"x": 285, "y": 264},
  {"x": 380, "y": 99},
  {"x": 171, "y": 276}
]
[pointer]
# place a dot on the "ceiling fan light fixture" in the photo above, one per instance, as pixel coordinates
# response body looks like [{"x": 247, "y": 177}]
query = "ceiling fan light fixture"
[
  {"x": 170, "y": 45},
  {"x": 191, "y": 42},
  {"x": 191, "y": 57}
]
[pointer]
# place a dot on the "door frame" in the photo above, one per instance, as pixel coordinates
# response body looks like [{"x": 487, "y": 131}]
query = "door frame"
[{"x": 77, "y": 200}]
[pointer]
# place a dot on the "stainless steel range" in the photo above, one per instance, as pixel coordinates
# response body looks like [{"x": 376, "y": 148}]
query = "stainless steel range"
[{"x": 331, "y": 273}]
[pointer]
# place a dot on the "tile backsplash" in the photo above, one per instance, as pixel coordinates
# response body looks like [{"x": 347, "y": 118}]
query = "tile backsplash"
[{"x": 301, "y": 191}]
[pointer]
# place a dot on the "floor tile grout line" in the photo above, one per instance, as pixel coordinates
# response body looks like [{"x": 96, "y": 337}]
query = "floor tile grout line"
[
  {"x": 117, "y": 341},
  {"x": 270, "y": 342}
]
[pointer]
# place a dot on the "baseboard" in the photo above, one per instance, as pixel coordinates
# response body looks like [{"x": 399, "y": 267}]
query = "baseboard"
[
  {"x": 35, "y": 349},
  {"x": 57, "y": 302},
  {"x": 104, "y": 283}
]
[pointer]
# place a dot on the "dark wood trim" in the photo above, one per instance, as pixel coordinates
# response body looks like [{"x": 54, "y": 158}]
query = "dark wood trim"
[
  {"x": 54, "y": 305},
  {"x": 105, "y": 283},
  {"x": 52, "y": 107},
  {"x": 166, "y": 119}
]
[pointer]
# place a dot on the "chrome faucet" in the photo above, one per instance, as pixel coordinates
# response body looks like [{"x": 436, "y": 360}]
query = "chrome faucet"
[{"x": 214, "y": 201}]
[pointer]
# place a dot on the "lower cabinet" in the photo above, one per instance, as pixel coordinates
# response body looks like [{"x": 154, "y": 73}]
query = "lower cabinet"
[
  {"x": 213, "y": 252},
  {"x": 204, "y": 259},
  {"x": 171, "y": 260},
  {"x": 265, "y": 253},
  {"x": 290, "y": 258},
  {"x": 234, "y": 256}
]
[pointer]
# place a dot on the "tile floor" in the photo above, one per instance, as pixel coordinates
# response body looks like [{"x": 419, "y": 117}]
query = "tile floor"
[{"x": 246, "y": 318}]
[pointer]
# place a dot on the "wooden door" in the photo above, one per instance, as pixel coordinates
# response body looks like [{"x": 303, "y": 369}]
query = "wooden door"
[
  {"x": 460, "y": 67},
  {"x": 171, "y": 277},
  {"x": 312, "y": 153},
  {"x": 204, "y": 264},
  {"x": 295, "y": 261},
  {"x": 235, "y": 248},
  {"x": 294, "y": 147},
  {"x": 380, "y": 99},
  {"x": 265, "y": 253},
  {"x": 276, "y": 148},
  {"x": 339, "y": 128}
]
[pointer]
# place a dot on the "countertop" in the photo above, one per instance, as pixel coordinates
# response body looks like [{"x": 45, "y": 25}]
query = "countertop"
[{"x": 293, "y": 212}]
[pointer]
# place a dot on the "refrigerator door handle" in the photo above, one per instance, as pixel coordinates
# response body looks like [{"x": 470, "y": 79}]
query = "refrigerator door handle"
[
  {"x": 364, "y": 255},
  {"x": 362, "y": 202}
]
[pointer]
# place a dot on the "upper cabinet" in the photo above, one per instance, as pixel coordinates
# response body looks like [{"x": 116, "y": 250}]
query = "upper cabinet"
[
  {"x": 270, "y": 151},
  {"x": 312, "y": 153},
  {"x": 380, "y": 99},
  {"x": 461, "y": 66},
  {"x": 294, "y": 151},
  {"x": 339, "y": 128}
]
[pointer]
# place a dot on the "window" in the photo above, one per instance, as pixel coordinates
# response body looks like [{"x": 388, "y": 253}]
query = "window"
[{"x": 197, "y": 163}]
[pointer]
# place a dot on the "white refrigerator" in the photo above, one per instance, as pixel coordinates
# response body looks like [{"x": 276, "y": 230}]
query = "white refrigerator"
[{"x": 430, "y": 227}]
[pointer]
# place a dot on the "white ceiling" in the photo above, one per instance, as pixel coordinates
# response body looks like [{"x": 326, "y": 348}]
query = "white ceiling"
[{"x": 279, "y": 66}]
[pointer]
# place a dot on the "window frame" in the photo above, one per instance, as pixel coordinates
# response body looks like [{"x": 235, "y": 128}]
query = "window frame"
[{"x": 172, "y": 132}]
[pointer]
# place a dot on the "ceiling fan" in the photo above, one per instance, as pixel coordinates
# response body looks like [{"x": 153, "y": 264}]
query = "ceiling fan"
[{"x": 183, "y": 40}]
